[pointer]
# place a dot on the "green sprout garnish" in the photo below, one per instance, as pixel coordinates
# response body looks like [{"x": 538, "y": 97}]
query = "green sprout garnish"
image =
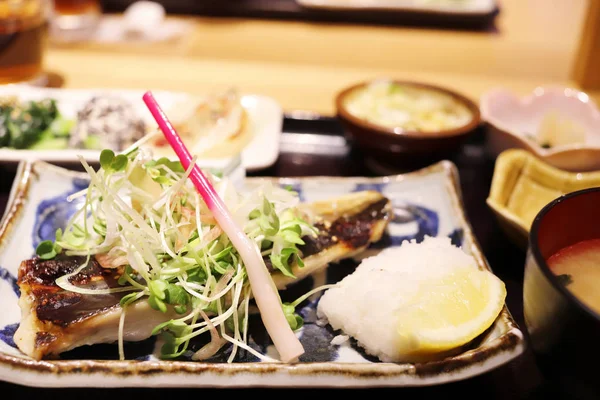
[
  {"x": 149, "y": 223},
  {"x": 111, "y": 163},
  {"x": 47, "y": 250}
]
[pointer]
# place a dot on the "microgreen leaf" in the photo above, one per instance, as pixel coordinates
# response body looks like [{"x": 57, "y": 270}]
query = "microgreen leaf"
[
  {"x": 157, "y": 304},
  {"x": 197, "y": 275},
  {"x": 119, "y": 163},
  {"x": 223, "y": 253},
  {"x": 291, "y": 237},
  {"x": 254, "y": 214},
  {"x": 170, "y": 344},
  {"x": 163, "y": 180},
  {"x": 179, "y": 328},
  {"x": 294, "y": 228},
  {"x": 267, "y": 207},
  {"x": 160, "y": 327},
  {"x": 294, "y": 320},
  {"x": 279, "y": 261},
  {"x": 299, "y": 322},
  {"x": 266, "y": 244},
  {"x": 106, "y": 158},
  {"x": 193, "y": 236},
  {"x": 174, "y": 166},
  {"x": 291, "y": 319},
  {"x": 180, "y": 308},
  {"x": 212, "y": 307},
  {"x": 123, "y": 278},
  {"x": 128, "y": 299},
  {"x": 176, "y": 295},
  {"x": 100, "y": 227},
  {"x": 46, "y": 250},
  {"x": 196, "y": 302},
  {"x": 157, "y": 288},
  {"x": 288, "y": 308}
]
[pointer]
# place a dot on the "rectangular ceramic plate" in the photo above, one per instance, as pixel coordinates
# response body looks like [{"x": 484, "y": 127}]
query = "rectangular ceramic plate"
[
  {"x": 265, "y": 115},
  {"x": 471, "y": 7},
  {"x": 426, "y": 202}
]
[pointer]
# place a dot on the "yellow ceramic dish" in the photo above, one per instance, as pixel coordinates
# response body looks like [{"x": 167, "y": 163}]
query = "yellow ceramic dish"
[{"x": 523, "y": 184}]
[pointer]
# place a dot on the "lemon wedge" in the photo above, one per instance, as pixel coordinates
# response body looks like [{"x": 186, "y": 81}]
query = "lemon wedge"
[
  {"x": 448, "y": 312},
  {"x": 415, "y": 302}
]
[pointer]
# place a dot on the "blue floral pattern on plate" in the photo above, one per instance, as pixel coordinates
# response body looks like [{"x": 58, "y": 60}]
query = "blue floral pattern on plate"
[
  {"x": 6, "y": 276},
  {"x": 7, "y": 332},
  {"x": 416, "y": 220},
  {"x": 425, "y": 203},
  {"x": 54, "y": 212}
]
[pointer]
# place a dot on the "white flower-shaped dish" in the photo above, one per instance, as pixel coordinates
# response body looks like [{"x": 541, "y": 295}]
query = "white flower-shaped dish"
[{"x": 511, "y": 119}]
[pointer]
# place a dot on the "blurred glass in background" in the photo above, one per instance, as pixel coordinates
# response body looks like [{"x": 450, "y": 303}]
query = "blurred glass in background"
[
  {"x": 23, "y": 37},
  {"x": 75, "y": 19}
]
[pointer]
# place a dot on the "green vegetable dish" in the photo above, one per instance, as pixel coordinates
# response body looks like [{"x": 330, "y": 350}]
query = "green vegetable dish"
[
  {"x": 145, "y": 217},
  {"x": 33, "y": 125},
  {"x": 101, "y": 122}
]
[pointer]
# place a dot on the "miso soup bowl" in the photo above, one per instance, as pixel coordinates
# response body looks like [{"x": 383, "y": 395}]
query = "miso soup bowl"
[{"x": 564, "y": 333}]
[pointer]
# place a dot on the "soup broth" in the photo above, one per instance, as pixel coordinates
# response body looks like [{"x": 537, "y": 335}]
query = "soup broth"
[{"x": 578, "y": 267}]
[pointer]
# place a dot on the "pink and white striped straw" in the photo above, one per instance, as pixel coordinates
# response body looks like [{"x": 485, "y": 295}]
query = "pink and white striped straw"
[{"x": 265, "y": 292}]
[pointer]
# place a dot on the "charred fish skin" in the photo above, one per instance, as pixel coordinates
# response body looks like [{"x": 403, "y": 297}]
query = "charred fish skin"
[
  {"x": 54, "y": 320},
  {"x": 354, "y": 230},
  {"x": 62, "y": 307},
  {"x": 346, "y": 228},
  {"x": 47, "y": 310}
]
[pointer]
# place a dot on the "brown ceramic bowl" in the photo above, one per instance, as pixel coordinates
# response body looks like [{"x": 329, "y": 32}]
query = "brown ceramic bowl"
[
  {"x": 563, "y": 330},
  {"x": 397, "y": 146}
]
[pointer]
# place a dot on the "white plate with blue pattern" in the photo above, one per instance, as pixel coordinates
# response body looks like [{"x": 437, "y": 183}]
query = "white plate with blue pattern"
[{"x": 426, "y": 202}]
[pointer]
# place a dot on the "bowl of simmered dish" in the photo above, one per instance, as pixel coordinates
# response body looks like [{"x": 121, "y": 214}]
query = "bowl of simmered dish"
[
  {"x": 400, "y": 121},
  {"x": 561, "y": 293}
]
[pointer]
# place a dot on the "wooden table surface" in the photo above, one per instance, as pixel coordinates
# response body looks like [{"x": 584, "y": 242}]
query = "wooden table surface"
[{"x": 303, "y": 65}]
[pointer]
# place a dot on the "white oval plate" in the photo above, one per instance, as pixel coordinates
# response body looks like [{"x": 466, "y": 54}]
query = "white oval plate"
[{"x": 265, "y": 114}]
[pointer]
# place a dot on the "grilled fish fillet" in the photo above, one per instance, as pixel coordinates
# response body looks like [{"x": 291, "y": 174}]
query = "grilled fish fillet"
[
  {"x": 54, "y": 320},
  {"x": 347, "y": 226}
]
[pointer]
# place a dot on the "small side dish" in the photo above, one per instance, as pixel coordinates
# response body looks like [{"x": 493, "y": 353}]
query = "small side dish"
[
  {"x": 104, "y": 121},
  {"x": 408, "y": 108},
  {"x": 214, "y": 126},
  {"x": 398, "y": 121},
  {"x": 107, "y": 122},
  {"x": 222, "y": 128},
  {"x": 523, "y": 184},
  {"x": 559, "y": 125},
  {"x": 33, "y": 124}
]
